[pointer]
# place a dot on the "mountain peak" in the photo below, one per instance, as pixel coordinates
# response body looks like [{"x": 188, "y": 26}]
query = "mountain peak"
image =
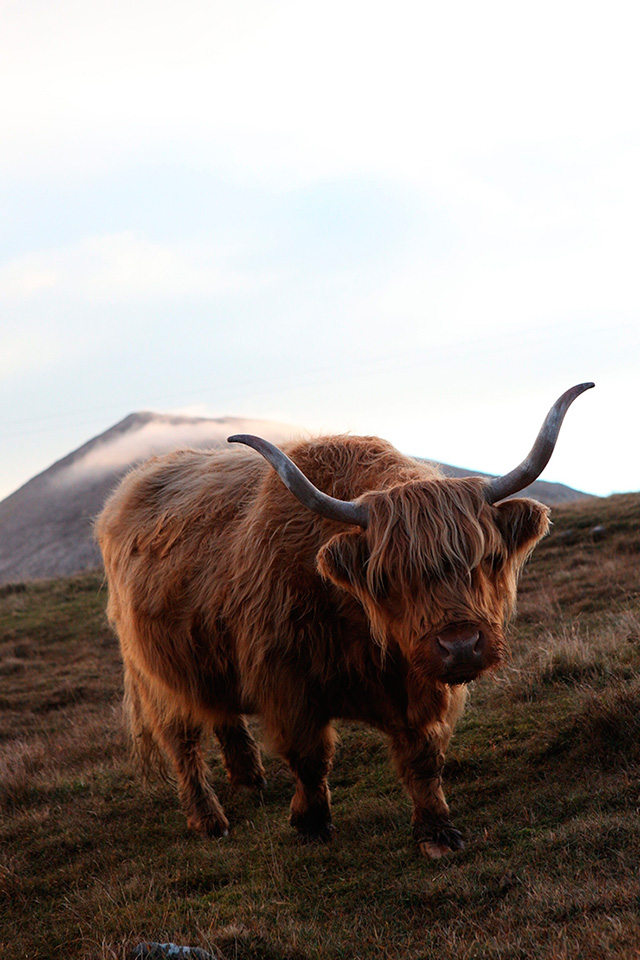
[{"x": 46, "y": 525}]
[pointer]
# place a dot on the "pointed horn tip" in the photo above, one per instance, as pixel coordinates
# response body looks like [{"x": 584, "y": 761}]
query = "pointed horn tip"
[
  {"x": 574, "y": 392},
  {"x": 238, "y": 438}
]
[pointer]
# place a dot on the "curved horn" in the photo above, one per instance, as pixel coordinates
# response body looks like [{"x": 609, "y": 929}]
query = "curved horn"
[
  {"x": 540, "y": 453},
  {"x": 345, "y": 511}
]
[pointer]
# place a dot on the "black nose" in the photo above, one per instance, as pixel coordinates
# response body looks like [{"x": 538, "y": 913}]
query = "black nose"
[{"x": 461, "y": 648}]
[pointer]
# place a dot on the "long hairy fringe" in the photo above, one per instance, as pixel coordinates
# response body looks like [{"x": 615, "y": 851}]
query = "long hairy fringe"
[
  {"x": 433, "y": 528},
  {"x": 430, "y": 544}
]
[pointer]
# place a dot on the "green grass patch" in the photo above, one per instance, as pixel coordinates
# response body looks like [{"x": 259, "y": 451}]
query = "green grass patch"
[{"x": 543, "y": 776}]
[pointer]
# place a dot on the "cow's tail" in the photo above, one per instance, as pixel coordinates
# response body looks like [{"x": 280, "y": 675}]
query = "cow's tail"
[{"x": 141, "y": 722}]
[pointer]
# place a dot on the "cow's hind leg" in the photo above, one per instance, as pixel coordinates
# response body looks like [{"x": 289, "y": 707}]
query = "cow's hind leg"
[
  {"x": 172, "y": 743},
  {"x": 181, "y": 741},
  {"x": 240, "y": 754},
  {"x": 310, "y": 761},
  {"x": 141, "y": 723}
]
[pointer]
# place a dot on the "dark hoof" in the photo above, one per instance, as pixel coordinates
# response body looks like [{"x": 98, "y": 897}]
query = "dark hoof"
[
  {"x": 313, "y": 825},
  {"x": 248, "y": 783},
  {"x": 438, "y": 841},
  {"x": 322, "y": 835},
  {"x": 209, "y": 826}
]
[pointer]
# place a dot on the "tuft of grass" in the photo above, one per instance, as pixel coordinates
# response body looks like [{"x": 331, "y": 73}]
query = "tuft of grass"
[
  {"x": 605, "y": 728},
  {"x": 576, "y": 653}
]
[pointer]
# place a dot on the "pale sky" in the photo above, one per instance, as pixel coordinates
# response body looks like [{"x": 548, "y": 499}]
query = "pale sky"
[{"x": 420, "y": 220}]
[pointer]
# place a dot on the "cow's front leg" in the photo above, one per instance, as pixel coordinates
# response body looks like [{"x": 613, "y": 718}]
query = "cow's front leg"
[
  {"x": 310, "y": 760},
  {"x": 419, "y": 758}
]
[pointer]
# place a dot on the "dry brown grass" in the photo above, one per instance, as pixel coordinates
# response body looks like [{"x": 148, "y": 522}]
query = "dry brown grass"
[
  {"x": 544, "y": 778},
  {"x": 576, "y": 653}
]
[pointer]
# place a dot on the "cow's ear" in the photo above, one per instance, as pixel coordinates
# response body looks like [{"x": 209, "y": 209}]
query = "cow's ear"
[
  {"x": 343, "y": 560},
  {"x": 522, "y": 523}
]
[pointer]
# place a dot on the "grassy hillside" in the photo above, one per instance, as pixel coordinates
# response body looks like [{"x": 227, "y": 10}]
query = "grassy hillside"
[{"x": 543, "y": 777}]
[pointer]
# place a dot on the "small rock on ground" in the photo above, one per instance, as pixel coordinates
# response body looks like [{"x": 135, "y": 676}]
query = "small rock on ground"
[{"x": 169, "y": 951}]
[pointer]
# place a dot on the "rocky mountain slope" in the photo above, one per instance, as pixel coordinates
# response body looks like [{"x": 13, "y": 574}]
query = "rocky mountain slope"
[{"x": 46, "y": 525}]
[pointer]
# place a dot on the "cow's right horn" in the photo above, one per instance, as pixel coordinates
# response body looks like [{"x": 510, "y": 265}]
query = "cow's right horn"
[
  {"x": 345, "y": 511},
  {"x": 540, "y": 453}
]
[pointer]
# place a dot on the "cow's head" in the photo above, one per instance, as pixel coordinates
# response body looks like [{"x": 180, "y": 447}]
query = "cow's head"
[
  {"x": 434, "y": 562},
  {"x": 436, "y": 571}
]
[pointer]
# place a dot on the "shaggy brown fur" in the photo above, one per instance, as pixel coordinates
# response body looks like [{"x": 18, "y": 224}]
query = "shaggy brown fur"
[{"x": 230, "y": 598}]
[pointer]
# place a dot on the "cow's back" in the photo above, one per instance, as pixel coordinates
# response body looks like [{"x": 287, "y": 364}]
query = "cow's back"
[{"x": 167, "y": 508}]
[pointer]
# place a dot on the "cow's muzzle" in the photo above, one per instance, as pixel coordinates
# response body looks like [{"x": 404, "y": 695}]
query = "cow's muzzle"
[{"x": 461, "y": 648}]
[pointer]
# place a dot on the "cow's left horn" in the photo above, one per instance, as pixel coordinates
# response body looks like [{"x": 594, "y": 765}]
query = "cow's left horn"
[
  {"x": 345, "y": 511},
  {"x": 540, "y": 453}
]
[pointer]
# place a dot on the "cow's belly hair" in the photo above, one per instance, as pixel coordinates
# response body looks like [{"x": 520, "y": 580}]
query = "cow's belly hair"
[{"x": 213, "y": 692}]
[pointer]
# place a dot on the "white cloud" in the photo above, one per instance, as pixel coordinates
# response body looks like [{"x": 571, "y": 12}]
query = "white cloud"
[
  {"x": 124, "y": 266},
  {"x": 26, "y": 349},
  {"x": 21, "y": 279}
]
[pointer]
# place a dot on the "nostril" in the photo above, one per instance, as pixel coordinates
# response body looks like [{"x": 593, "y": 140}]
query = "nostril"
[{"x": 446, "y": 647}]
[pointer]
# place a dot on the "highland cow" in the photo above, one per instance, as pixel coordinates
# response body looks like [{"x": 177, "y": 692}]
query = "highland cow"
[{"x": 350, "y": 581}]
